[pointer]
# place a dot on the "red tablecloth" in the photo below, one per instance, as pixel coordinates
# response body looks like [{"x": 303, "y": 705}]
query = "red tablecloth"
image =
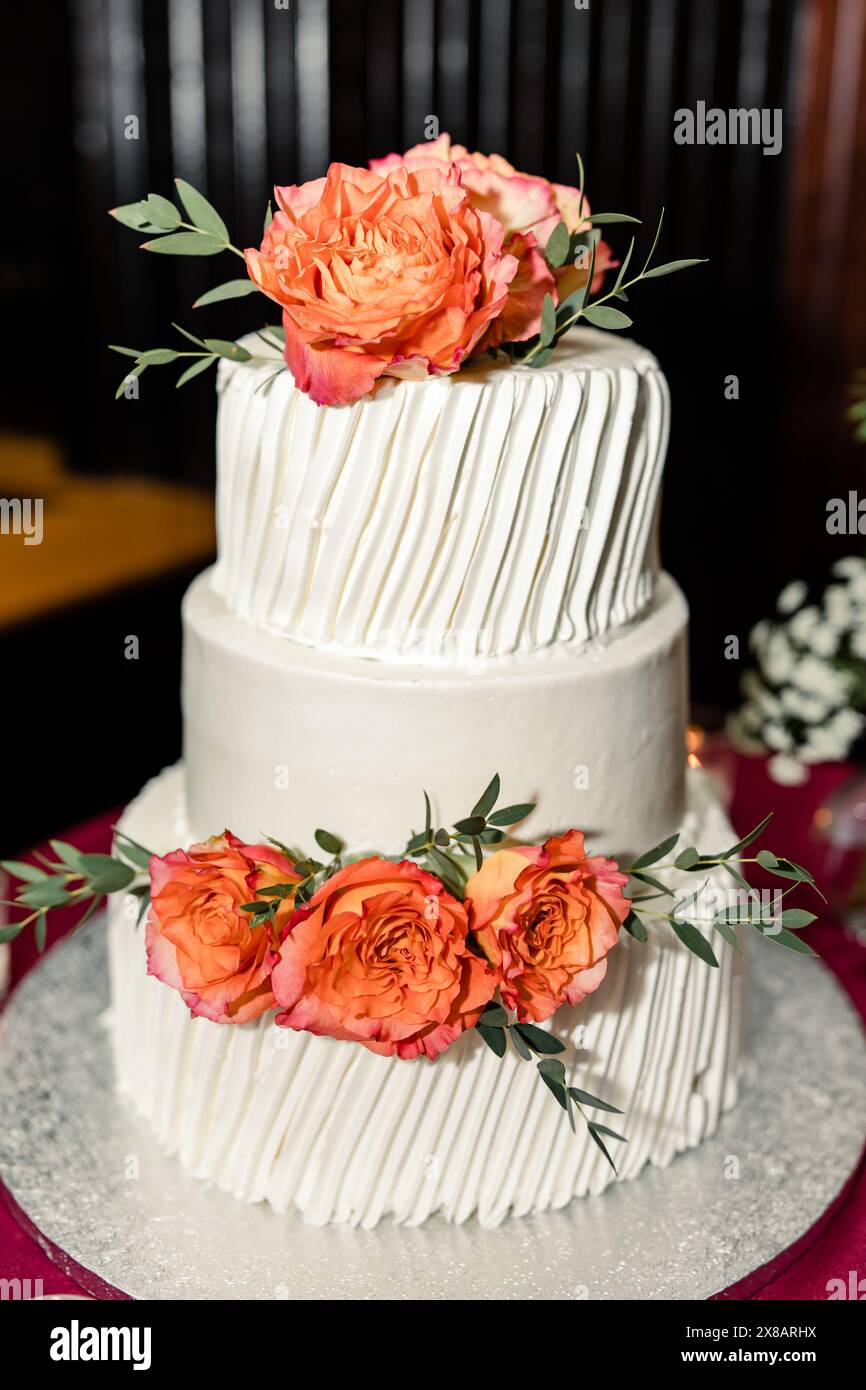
[{"x": 837, "y": 1242}]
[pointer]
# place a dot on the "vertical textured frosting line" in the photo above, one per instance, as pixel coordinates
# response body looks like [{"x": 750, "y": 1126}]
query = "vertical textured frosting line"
[
  {"x": 499, "y": 510},
  {"x": 343, "y": 1135}
]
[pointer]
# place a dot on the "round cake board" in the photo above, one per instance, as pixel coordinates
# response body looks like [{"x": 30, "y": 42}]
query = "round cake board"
[{"x": 88, "y": 1177}]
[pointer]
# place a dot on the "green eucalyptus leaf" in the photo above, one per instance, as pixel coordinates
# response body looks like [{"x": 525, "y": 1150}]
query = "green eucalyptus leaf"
[
  {"x": 331, "y": 844},
  {"x": 584, "y": 1098},
  {"x": 223, "y": 348},
  {"x": 472, "y": 825},
  {"x": 133, "y": 851},
  {"x": 185, "y": 244},
  {"x": 794, "y": 918},
  {"x": 158, "y": 357},
  {"x": 509, "y": 815},
  {"x": 28, "y": 873},
  {"x": 519, "y": 1045},
  {"x": 652, "y": 856},
  {"x": 693, "y": 939},
  {"x": 542, "y": 1042},
  {"x": 602, "y": 219},
  {"x": 548, "y": 321},
  {"x": 130, "y": 376},
  {"x": 67, "y": 854},
  {"x": 789, "y": 941},
  {"x": 160, "y": 212},
  {"x": 10, "y": 932},
  {"x": 488, "y": 798},
  {"x": 494, "y": 1038},
  {"x": 231, "y": 289},
  {"x": 540, "y": 358},
  {"x": 495, "y": 1016},
  {"x": 670, "y": 266},
  {"x": 51, "y": 892},
  {"x": 635, "y": 927},
  {"x": 132, "y": 215},
  {"x": 604, "y": 316},
  {"x": 195, "y": 370},
  {"x": 113, "y": 880},
  {"x": 492, "y": 837},
  {"x": 556, "y": 252},
  {"x": 201, "y": 213},
  {"x": 687, "y": 859},
  {"x": 40, "y": 932},
  {"x": 748, "y": 839}
]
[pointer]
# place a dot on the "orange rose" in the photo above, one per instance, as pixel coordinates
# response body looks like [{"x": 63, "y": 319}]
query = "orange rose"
[
  {"x": 529, "y": 207},
  {"x": 380, "y": 956},
  {"x": 198, "y": 940},
  {"x": 376, "y": 274},
  {"x": 546, "y": 917}
]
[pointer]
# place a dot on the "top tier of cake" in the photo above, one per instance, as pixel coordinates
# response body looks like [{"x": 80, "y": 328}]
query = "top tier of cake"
[{"x": 499, "y": 510}]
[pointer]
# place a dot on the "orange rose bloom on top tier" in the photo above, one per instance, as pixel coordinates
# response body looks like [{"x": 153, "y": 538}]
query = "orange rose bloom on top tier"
[
  {"x": 529, "y": 207},
  {"x": 396, "y": 273},
  {"x": 546, "y": 917},
  {"x": 198, "y": 940},
  {"x": 380, "y": 956}
]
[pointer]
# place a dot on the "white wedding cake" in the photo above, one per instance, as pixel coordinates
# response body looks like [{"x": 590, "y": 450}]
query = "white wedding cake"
[{"x": 444, "y": 579}]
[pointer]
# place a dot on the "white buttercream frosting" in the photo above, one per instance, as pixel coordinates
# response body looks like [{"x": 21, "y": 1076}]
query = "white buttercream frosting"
[
  {"x": 344, "y": 1135},
  {"x": 498, "y": 510},
  {"x": 284, "y": 739}
]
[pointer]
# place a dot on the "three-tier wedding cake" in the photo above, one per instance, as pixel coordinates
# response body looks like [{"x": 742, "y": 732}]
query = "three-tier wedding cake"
[{"x": 442, "y": 578}]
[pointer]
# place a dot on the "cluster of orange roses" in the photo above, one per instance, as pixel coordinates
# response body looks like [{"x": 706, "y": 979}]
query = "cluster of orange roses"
[
  {"x": 381, "y": 953},
  {"x": 409, "y": 266}
]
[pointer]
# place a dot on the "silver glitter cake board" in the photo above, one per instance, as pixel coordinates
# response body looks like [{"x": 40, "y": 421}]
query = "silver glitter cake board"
[{"x": 68, "y": 1145}]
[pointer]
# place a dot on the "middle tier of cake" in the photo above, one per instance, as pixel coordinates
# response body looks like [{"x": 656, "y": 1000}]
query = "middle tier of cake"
[{"x": 280, "y": 739}]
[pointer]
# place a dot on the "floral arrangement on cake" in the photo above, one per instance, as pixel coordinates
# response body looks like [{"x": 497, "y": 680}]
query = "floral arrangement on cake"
[
  {"x": 409, "y": 268},
  {"x": 805, "y": 702},
  {"x": 465, "y": 929}
]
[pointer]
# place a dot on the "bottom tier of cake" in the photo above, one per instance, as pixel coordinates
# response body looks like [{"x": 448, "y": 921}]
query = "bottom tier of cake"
[{"x": 344, "y": 1135}]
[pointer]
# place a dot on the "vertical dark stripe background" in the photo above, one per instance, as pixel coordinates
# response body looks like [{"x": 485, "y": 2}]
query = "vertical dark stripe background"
[{"x": 236, "y": 95}]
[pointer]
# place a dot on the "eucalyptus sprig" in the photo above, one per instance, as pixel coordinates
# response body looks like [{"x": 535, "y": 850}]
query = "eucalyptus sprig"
[
  {"x": 208, "y": 351},
  {"x": 482, "y": 827},
  {"x": 205, "y": 234},
  {"x": 564, "y": 246},
  {"x": 495, "y": 1029},
  {"x": 775, "y": 925},
  {"x": 74, "y": 878}
]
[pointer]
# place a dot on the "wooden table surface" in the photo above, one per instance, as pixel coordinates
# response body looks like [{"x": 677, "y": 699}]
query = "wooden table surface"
[{"x": 99, "y": 534}]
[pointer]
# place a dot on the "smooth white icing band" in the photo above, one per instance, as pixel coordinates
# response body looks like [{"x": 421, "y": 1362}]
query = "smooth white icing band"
[{"x": 284, "y": 739}]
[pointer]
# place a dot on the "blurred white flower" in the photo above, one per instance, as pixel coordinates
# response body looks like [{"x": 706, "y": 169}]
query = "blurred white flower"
[
  {"x": 825, "y": 641},
  {"x": 823, "y": 746},
  {"x": 791, "y": 596},
  {"x": 803, "y": 624},
  {"x": 786, "y": 770},
  {"x": 858, "y": 642},
  {"x": 758, "y": 636},
  {"x": 777, "y": 736},
  {"x": 850, "y": 567},
  {"x": 847, "y": 724},
  {"x": 817, "y": 678},
  {"x": 838, "y": 606},
  {"x": 779, "y": 659},
  {"x": 810, "y": 708}
]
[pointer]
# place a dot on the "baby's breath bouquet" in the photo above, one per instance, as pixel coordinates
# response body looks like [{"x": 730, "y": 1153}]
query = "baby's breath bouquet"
[{"x": 805, "y": 700}]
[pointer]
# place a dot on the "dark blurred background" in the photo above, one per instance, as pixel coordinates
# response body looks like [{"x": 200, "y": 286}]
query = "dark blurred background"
[{"x": 236, "y": 95}]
